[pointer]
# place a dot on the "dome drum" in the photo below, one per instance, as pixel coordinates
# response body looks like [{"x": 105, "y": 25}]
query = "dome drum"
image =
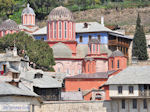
[
  {"x": 8, "y": 27},
  {"x": 60, "y": 25},
  {"x": 28, "y": 16}
]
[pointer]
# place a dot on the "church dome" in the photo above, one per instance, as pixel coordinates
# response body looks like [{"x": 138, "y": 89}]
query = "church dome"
[
  {"x": 116, "y": 53},
  {"x": 61, "y": 50},
  {"x": 61, "y": 13},
  {"x": 9, "y": 25},
  {"x": 28, "y": 10}
]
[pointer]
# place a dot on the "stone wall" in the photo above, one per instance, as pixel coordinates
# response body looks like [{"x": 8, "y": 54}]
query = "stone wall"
[{"x": 77, "y": 106}]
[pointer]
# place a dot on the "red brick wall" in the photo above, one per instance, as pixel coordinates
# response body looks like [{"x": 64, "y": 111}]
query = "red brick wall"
[{"x": 83, "y": 84}]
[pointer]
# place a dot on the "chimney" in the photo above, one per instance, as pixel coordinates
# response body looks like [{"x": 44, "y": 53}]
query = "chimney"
[{"x": 102, "y": 20}]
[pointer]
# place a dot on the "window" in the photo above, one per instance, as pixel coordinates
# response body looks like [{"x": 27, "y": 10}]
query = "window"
[
  {"x": 97, "y": 48},
  {"x": 54, "y": 29},
  {"x": 58, "y": 69},
  {"x": 112, "y": 64},
  {"x": 90, "y": 37},
  {"x": 65, "y": 29},
  {"x": 80, "y": 39},
  {"x": 59, "y": 29},
  {"x": 79, "y": 89},
  {"x": 88, "y": 67},
  {"x": 144, "y": 104},
  {"x": 70, "y": 29},
  {"x": 42, "y": 38},
  {"x": 123, "y": 104},
  {"x": 134, "y": 103},
  {"x": 119, "y": 89},
  {"x": 99, "y": 37},
  {"x": 68, "y": 71},
  {"x": 93, "y": 48},
  {"x": 4, "y": 68},
  {"x": 38, "y": 75},
  {"x": 79, "y": 71},
  {"x": 118, "y": 64},
  {"x": 14, "y": 75},
  {"x": 131, "y": 89}
]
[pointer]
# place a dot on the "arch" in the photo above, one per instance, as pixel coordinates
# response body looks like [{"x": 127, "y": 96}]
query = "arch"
[{"x": 59, "y": 67}]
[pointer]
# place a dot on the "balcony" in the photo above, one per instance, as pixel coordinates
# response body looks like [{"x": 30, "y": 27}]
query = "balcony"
[
  {"x": 144, "y": 90},
  {"x": 144, "y": 93},
  {"x": 112, "y": 42}
]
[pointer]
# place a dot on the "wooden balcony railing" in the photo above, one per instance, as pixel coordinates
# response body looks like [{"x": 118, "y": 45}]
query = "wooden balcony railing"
[
  {"x": 112, "y": 42},
  {"x": 144, "y": 93}
]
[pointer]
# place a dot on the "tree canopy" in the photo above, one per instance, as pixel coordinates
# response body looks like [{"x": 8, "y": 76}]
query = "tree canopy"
[
  {"x": 139, "y": 49},
  {"x": 38, "y": 51}
]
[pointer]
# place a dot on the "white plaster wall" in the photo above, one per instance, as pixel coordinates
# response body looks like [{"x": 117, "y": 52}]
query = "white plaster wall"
[
  {"x": 101, "y": 65},
  {"x": 113, "y": 90},
  {"x": 31, "y": 100},
  {"x": 117, "y": 105}
]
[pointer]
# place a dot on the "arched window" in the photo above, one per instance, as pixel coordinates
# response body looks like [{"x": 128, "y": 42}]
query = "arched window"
[
  {"x": 93, "y": 48},
  {"x": 60, "y": 29},
  {"x": 54, "y": 30},
  {"x": 118, "y": 64},
  {"x": 70, "y": 30},
  {"x": 58, "y": 69},
  {"x": 88, "y": 67},
  {"x": 68, "y": 71},
  {"x": 97, "y": 48},
  {"x": 65, "y": 29},
  {"x": 112, "y": 64},
  {"x": 26, "y": 19}
]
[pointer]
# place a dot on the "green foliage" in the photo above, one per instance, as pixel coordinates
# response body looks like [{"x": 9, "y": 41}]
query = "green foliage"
[
  {"x": 12, "y": 8},
  {"x": 139, "y": 49},
  {"x": 38, "y": 51},
  {"x": 43, "y": 7}
]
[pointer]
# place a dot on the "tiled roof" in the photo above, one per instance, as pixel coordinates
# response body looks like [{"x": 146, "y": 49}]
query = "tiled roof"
[
  {"x": 45, "y": 82},
  {"x": 9, "y": 25},
  {"x": 7, "y": 89},
  {"x": 92, "y": 27},
  {"x": 116, "y": 53},
  {"x": 131, "y": 75},
  {"x": 97, "y": 75},
  {"x": 119, "y": 35},
  {"x": 61, "y": 13},
  {"x": 28, "y": 10},
  {"x": 42, "y": 31}
]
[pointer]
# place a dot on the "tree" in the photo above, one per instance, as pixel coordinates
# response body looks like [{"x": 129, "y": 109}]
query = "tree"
[
  {"x": 38, "y": 51},
  {"x": 139, "y": 49},
  {"x": 43, "y": 7}
]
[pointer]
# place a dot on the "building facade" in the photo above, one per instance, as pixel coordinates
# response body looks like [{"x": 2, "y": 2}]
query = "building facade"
[{"x": 129, "y": 90}]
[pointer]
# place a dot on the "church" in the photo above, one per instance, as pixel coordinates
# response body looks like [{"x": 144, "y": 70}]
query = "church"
[{"x": 77, "y": 47}]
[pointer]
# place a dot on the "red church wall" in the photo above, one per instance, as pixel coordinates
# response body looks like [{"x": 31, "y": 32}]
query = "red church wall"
[
  {"x": 89, "y": 67},
  {"x": 113, "y": 63},
  {"x": 106, "y": 88},
  {"x": 83, "y": 84},
  {"x": 3, "y": 33}
]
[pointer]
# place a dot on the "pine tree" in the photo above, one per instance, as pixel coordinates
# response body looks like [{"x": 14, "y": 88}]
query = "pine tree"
[{"x": 139, "y": 49}]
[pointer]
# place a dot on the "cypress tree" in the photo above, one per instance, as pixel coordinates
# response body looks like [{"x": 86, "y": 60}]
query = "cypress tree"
[{"x": 139, "y": 48}]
